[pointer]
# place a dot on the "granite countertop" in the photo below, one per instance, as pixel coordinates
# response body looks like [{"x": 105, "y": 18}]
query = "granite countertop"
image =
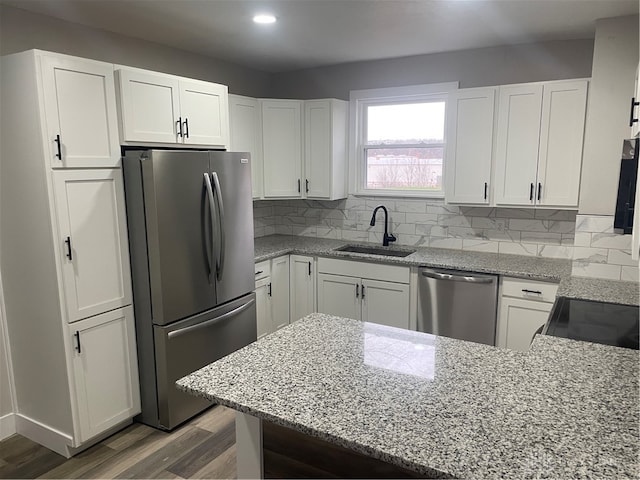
[
  {"x": 537, "y": 268},
  {"x": 440, "y": 406}
]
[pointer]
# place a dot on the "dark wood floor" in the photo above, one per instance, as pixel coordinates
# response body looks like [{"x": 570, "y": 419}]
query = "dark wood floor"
[{"x": 202, "y": 448}]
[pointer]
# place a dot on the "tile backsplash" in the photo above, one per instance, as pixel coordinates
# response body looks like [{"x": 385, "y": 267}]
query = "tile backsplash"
[
  {"x": 599, "y": 252},
  {"x": 589, "y": 241},
  {"x": 547, "y": 233}
]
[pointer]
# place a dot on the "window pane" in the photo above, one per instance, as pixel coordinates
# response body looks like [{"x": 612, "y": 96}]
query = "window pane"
[
  {"x": 405, "y": 123},
  {"x": 404, "y": 168}
]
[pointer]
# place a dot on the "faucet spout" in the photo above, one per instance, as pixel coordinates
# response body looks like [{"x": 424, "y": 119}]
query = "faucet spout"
[{"x": 386, "y": 237}]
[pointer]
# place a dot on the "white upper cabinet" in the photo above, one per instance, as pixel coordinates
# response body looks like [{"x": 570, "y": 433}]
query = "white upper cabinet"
[
  {"x": 80, "y": 112},
  {"x": 519, "y": 111},
  {"x": 93, "y": 245},
  {"x": 539, "y": 144},
  {"x": 470, "y": 120},
  {"x": 325, "y": 135},
  {"x": 204, "y": 112},
  {"x": 282, "y": 148},
  {"x": 561, "y": 138},
  {"x": 245, "y": 135},
  {"x": 158, "y": 108}
]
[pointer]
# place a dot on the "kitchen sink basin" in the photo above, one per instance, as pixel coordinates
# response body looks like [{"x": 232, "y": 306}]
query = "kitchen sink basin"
[{"x": 386, "y": 251}]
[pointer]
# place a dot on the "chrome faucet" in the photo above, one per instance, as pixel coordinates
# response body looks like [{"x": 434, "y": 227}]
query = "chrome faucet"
[{"x": 387, "y": 237}]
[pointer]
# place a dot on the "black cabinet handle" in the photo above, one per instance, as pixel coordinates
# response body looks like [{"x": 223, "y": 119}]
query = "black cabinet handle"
[
  {"x": 186, "y": 127},
  {"x": 485, "y": 190},
  {"x": 363, "y": 292},
  {"x": 309, "y": 268},
  {"x": 539, "y": 190},
  {"x": 298, "y": 185},
  {"x": 179, "y": 126},
  {"x": 269, "y": 289},
  {"x": 259, "y": 272},
  {"x": 531, "y": 193},
  {"x": 357, "y": 290},
  {"x": 59, "y": 154},
  {"x": 634, "y": 104},
  {"x": 69, "y": 254},
  {"x": 537, "y": 292},
  {"x": 78, "y": 347},
  {"x": 307, "y": 185}
]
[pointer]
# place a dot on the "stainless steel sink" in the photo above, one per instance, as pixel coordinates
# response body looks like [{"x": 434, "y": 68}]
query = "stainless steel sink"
[{"x": 375, "y": 250}]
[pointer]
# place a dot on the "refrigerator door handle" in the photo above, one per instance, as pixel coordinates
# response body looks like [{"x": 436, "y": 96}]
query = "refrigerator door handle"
[
  {"x": 209, "y": 248},
  {"x": 208, "y": 323},
  {"x": 220, "y": 207}
]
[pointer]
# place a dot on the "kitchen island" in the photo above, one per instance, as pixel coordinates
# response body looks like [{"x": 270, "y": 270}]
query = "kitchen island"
[{"x": 437, "y": 406}]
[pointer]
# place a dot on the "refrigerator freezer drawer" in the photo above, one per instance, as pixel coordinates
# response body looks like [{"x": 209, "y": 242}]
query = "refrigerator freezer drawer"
[{"x": 190, "y": 344}]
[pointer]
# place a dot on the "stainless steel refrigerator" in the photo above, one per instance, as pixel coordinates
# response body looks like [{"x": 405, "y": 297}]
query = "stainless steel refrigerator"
[{"x": 190, "y": 219}]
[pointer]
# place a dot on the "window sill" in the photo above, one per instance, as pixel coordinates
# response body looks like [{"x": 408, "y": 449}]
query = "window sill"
[{"x": 399, "y": 194}]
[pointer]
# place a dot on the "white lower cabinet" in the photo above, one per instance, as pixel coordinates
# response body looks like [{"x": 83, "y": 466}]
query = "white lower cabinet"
[
  {"x": 524, "y": 308},
  {"x": 351, "y": 289},
  {"x": 302, "y": 291},
  {"x": 272, "y": 295},
  {"x": 105, "y": 371}
]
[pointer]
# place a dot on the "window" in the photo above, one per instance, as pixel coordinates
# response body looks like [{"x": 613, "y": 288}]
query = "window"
[{"x": 400, "y": 141}]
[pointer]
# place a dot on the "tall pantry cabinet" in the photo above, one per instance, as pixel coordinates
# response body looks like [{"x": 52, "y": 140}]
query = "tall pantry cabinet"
[{"x": 64, "y": 251}]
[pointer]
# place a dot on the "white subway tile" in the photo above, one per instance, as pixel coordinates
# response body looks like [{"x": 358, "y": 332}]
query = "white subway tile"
[
  {"x": 544, "y": 214},
  {"x": 582, "y": 239},
  {"x": 560, "y": 226},
  {"x": 527, "y": 225},
  {"x": 414, "y": 240},
  {"x": 446, "y": 243},
  {"x": 529, "y": 249},
  {"x": 425, "y": 229},
  {"x": 413, "y": 206},
  {"x": 464, "y": 232},
  {"x": 611, "y": 240},
  {"x": 590, "y": 255},
  {"x": 478, "y": 211},
  {"x": 555, "y": 251},
  {"x": 515, "y": 213},
  {"x": 327, "y": 232},
  {"x": 541, "y": 237},
  {"x": 621, "y": 257},
  {"x": 422, "y": 218},
  {"x": 489, "y": 223},
  {"x": 480, "y": 245},
  {"x": 354, "y": 235},
  {"x": 596, "y": 270},
  {"x": 454, "y": 221},
  {"x": 594, "y": 223},
  {"x": 630, "y": 274}
]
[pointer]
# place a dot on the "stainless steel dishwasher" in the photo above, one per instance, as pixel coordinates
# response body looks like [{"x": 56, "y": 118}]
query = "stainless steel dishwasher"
[{"x": 458, "y": 304}]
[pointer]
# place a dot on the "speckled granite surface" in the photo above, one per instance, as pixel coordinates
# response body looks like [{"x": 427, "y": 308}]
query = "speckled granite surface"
[
  {"x": 511, "y": 265},
  {"x": 440, "y": 406}
]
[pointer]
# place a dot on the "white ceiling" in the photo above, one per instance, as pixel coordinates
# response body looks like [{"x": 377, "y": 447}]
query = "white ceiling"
[{"x": 312, "y": 33}]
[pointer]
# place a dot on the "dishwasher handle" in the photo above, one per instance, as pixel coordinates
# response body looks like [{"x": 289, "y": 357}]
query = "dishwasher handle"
[{"x": 455, "y": 278}]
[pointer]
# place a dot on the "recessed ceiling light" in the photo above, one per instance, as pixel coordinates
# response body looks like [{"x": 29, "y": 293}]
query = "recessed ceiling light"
[{"x": 264, "y": 18}]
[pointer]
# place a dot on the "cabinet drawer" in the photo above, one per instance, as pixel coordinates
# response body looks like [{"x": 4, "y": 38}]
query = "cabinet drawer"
[
  {"x": 388, "y": 273},
  {"x": 263, "y": 269},
  {"x": 529, "y": 289}
]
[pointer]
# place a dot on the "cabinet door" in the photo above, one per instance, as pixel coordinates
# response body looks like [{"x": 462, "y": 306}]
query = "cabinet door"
[
  {"x": 280, "y": 291},
  {"x": 635, "y": 109},
  {"x": 386, "y": 303},
  {"x": 80, "y": 110},
  {"x": 263, "y": 307},
  {"x": 519, "y": 111},
  {"x": 150, "y": 107},
  {"x": 245, "y": 135},
  {"x": 339, "y": 295},
  {"x": 204, "y": 109},
  {"x": 318, "y": 152},
  {"x": 105, "y": 371},
  {"x": 303, "y": 286},
  {"x": 518, "y": 322},
  {"x": 282, "y": 148},
  {"x": 468, "y": 168},
  {"x": 93, "y": 241},
  {"x": 560, "y": 157}
]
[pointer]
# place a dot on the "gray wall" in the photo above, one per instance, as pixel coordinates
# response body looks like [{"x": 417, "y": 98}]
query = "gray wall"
[
  {"x": 472, "y": 68},
  {"x": 21, "y": 30},
  {"x": 615, "y": 60},
  {"x": 6, "y": 405}
]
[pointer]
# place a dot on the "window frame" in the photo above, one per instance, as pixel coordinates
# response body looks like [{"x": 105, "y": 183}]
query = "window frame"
[{"x": 359, "y": 100}]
